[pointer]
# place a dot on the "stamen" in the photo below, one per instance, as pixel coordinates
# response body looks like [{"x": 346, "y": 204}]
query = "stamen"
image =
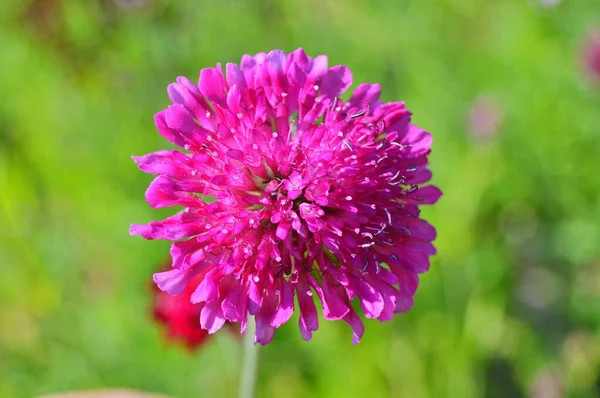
[
  {"x": 335, "y": 101},
  {"x": 384, "y": 143},
  {"x": 357, "y": 114},
  {"x": 348, "y": 144},
  {"x": 383, "y": 226},
  {"x": 381, "y": 159},
  {"x": 412, "y": 189},
  {"x": 365, "y": 267},
  {"x": 412, "y": 167},
  {"x": 399, "y": 182},
  {"x": 367, "y": 244},
  {"x": 389, "y": 216},
  {"x": 395, "y": 176},
  {"x": 405, "y": 231}
]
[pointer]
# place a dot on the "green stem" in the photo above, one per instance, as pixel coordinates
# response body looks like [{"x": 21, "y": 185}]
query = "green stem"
[{"x": 249, "y": 365}]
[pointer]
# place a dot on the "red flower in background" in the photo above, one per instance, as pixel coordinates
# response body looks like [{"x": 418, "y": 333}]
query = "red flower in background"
[{"x": 178, "y": 315}]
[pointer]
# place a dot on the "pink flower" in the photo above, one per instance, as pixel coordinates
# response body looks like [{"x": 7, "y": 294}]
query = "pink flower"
[
  {"x": 316, "y": 197},
  {"x": 591, "y": 55},
  {"x": 484, "y": 118}
]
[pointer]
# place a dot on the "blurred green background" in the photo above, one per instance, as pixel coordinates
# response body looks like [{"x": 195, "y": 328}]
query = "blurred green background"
[{"x": 511, "y": 305}]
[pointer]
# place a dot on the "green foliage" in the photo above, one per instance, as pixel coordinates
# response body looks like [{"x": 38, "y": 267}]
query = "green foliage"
[{"x": 511, "y": 305}]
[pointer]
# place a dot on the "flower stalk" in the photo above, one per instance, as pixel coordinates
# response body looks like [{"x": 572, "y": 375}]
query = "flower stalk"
[{"x": 250, "y": 362}]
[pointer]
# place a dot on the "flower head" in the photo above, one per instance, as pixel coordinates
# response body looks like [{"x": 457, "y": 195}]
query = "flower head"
[{"x": 316, "y": 198}]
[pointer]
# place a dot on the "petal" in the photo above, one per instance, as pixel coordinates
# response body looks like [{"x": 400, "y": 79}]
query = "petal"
[
  {"x": 166, "y": 131},
  {"x": 309, "y": 318},
  {"x": 164, "y": 192},
  {"x": 179, "y": 226},
  {"x": 358, "y": 328},
  {"x": 208, "y": 290},
  {"x": 170, "y": 163},
  {"x": 211, "y": 85},
  {"x": 426, "y": 195},
  {"x": 235, "y": 77},
  {"x": 173, "y": 281},
  {"x": 275, "y": 64},
  {"x": 211, "y": 317},
  {"x": 336, "y": 81},
  {"x": 418, "y": 142},
  {"x": 286, "y": 306},
  {"x": 371, "y": 301},
  {"x": 364, "y": 94},
  {"x": 264, "y": 330},
  {"x": 233, "y": 304},
  {"x": 332, "y": 299}
]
